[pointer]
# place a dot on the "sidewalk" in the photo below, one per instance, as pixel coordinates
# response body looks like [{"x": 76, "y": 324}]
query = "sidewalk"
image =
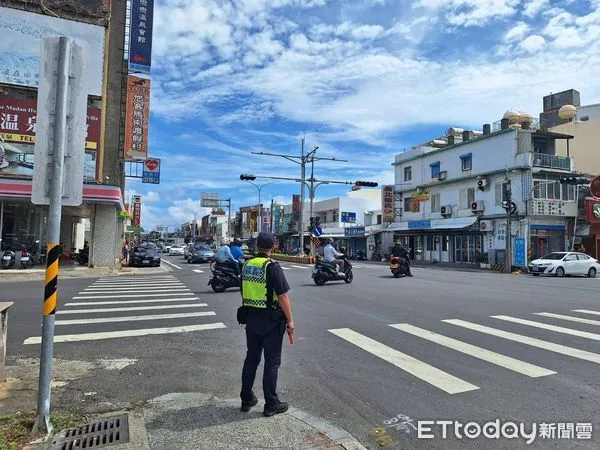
[{"x": 74, "y": 271}]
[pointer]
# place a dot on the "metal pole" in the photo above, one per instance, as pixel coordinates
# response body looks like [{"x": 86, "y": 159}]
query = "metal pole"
[
  {"x": 576, "y": 216},
  {"x": 508, "y": 257},
  {"x": 1, "y": 221},
  {"x": 259, "y": 225},
  {"x": 54, "y": 215},
  {"x": 229, "y": 219},
  {"x": 303, "y": 176},
  {"x": 312, "y": 197},
  {"x": 271, "y": 229}
]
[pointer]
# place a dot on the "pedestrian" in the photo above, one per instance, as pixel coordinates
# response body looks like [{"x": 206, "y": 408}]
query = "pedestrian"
[
  {"x": 267, "y": 312},
  {"x": 125, "y": 252}
]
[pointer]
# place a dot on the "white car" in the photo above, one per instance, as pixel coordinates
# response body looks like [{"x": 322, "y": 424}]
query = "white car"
[
  {"x": 560, "y": 264},
  {"x": 176, "y": 250}
]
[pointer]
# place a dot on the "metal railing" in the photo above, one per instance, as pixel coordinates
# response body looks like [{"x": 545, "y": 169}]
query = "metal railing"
[{"x": 551, "y": 161}]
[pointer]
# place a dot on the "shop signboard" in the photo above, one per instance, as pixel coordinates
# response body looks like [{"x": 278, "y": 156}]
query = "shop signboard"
[
  {"x": 21, "y": 34},
  {"x": 519, "y": 252},
  {"x": 354, "y": 231},
  {"x": 137, "y": 210},
  {"x": 137, "y": 117},
  {"x": 387, "y": 203},
  {"x": 140, "y": 40},
  {"x": 18, "y": 119},
  {"x": 592, "y": 210},
  {"x": 296, "y": 203},
  {"x": 419, "y": 224},
  {"x": 595, "y": 187},
  {"x": 151, "y": 172},
  {"x": 348, "y": 217}
]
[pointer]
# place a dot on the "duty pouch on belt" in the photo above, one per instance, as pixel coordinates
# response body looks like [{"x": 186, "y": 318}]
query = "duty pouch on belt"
[{"x": 242, "y": 315}]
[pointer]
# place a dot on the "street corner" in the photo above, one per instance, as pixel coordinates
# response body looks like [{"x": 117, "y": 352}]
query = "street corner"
[{"x": 185, "y": 420}]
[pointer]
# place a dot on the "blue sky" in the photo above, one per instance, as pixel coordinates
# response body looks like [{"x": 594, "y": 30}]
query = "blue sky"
[{"x": 361, "y": 79}]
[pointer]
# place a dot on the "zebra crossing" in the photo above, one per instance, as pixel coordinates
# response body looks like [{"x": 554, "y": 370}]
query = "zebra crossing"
[
  {"x": 140, "y": 301},
  {"x": 452, "y": 384}
]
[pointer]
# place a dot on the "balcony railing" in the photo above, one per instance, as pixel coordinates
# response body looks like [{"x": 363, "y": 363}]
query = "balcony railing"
[{"x": 551, "y": 161}]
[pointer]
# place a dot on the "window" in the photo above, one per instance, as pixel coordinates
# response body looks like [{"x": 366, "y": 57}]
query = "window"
[
  {"x": 502, "y": 192},
  {"x": 379, "y": 219},
  {"x": 466, "y": 161},
  {"x": 408, "y": 173},
  {"x": 335, "y": 217},
  {"x": 548, "y": 190},
  {"x": 583, "y": 257},
  {"x": 435, "y": 203},
  {"x": 407, "y": 204},
  {"x": 467, "y": 196},
  {"x": 415, "y": 205},
  {"x": 435, "y": 169},
  {"x": 429, "y": 243}
]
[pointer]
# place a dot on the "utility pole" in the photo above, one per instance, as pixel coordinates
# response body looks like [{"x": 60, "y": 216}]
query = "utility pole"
[
  {"x": 509, "y": 210},
  {"x": 271, "y": 222},
  {"x": 303, "y": 176}
]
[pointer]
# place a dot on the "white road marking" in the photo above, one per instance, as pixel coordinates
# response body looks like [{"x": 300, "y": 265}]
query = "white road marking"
[
  {"x": 131, "y": 296},
  {"x": 121, "y": 291},
  {"x": 557, "y": 348},
  {"x": 571, "y": 318},
  {"x": 127, "y": 333},
  {"x": 134, "y": 318},
  {"x": 285, "y": 268},
  {"x": 531, "y": 323},
  {"x": 137, "y": 278},
  {"x": 139, "y": 283},
  {"x": 126, "y": 302},
  {"x": 436, "y": 377},
  {"x": 298, "y": 267},
  {"x": 198, "y": 270},
  {"x": 587, "y": 311},
  {"x": 171, "y": 264},
  {"x": 133, "y": 308},
  {"x": 477, "y": 352}
]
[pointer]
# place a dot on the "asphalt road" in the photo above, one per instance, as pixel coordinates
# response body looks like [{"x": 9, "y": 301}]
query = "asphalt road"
[{"x": 348, "y": 364}]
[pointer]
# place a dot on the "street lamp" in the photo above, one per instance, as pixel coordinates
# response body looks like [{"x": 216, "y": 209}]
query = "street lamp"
[{"x": 249, "y": 178}]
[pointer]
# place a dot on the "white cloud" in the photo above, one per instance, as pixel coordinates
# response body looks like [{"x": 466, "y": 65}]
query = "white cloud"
[
  {"x": 533, "y": 7},
  {"x": 182, "y": 211},
  {"x": 471, "y": 13},
  {"x": 533, "y": 43},
  {"x": 518, "y": 32},
  {"x": 151, "y": 197}
]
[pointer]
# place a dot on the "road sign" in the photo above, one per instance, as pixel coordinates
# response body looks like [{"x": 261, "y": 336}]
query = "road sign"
[
  {"x": 595, "y": 187},
  {"x": 73, "y": 134},
  {"x": 317, "y": 231},
  {"x": 151, "y": 173},
  {"x": 348, "y": 217},
  {"x": 520, "y": 252},
  {"x": 210, "y": 200}
]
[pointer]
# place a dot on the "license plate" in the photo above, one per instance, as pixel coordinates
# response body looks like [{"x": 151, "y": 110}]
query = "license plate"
[
  {"x": 6, "y": 258},
  {"x": 395, "y": 266},
  {"x": 25, "y": 258},
  {"x": 146, "y": 261},
  {"x": 534, "y": 269}
]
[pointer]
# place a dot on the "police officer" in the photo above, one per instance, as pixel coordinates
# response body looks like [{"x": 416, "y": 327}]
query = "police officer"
[{"x": 269, "y": 315}]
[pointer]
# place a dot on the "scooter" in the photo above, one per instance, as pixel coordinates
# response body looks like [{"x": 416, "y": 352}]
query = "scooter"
[
  {"x": 397, "y": 266},
  {"x": 26, "y": 259},
  {"x": 83, "y": 257},
  {"x": 8, "y": 259},
  {"x": 324, "y": 272},
  {"x": 223, "y": 277}
]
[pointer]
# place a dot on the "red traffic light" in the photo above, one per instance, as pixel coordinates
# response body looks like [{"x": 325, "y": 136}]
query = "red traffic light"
[{"x": 366, "y": 184}]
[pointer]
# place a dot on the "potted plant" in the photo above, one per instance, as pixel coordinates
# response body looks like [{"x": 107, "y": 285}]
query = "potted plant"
[{"x": 482, "y": 259}]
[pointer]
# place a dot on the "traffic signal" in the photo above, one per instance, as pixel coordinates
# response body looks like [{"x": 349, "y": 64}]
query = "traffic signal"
[
  {"x": 312, "y": 224},
  {"x": 247, "y": 176},
  {"x": 512, "y": 206},
  {"x": 317, "y": 222},
  {"x": 574, "y": 180},
  {"x": 366, "y": 184}
]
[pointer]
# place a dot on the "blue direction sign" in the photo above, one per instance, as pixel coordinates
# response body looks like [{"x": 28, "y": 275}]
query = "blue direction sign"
[
  {"x": 317, "y": 231},
  {"x": 520, "y": 252}
]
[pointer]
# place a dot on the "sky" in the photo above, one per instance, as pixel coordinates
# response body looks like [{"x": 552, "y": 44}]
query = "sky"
[{"x": 361, "y": 79}]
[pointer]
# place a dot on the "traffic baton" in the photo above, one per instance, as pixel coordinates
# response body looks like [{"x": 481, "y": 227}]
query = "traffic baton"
[{"x": 291, "y": 337}]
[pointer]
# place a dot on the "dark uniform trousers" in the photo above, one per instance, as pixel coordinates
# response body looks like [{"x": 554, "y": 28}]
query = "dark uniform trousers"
[{"x": 264, "y": 332}]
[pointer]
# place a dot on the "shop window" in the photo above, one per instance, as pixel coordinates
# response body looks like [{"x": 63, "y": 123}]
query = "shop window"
[
  {"x": 408, "y": 173},
  {"x": 445, "y": 243},
  {"x": 379, "y": 219}
]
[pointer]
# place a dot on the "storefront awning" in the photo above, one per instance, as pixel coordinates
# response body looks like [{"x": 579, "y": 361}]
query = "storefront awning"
[
  {"x": 434, "y": 224},
  {"x": 92, "y": 193}
]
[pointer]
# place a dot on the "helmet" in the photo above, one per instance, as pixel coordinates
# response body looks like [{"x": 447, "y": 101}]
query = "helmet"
[{"x": 397, "y": 242}]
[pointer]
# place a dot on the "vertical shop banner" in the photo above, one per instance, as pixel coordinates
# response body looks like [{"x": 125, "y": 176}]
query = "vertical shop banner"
[
  {"x": 140, "y": 39},
  {"x": 519, "y": 251},
  {"x": 137, "y": 210},
  {"x": 296, "y": 203},
  {"x": 138, "y": 115},
  {"x": 387, "y": 203}
]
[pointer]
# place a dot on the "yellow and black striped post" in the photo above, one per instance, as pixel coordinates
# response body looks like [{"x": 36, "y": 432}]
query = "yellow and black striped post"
[{"x": 50, "y": 289}]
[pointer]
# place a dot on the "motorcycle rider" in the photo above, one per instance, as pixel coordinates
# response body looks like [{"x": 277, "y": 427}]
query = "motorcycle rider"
[
  {"x": 237, "y": 252},
  {"x": 400, "y": 252},
  {"x": 226, "y": 258},
  {"x": 331, "y": 255}
]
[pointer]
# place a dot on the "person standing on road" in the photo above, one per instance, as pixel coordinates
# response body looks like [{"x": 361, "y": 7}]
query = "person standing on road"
[{"x": 268, "y": 315}]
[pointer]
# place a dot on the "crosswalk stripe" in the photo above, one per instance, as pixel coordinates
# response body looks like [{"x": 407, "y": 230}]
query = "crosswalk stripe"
[
  {"x": 127, "y": 333},
  {"x": 570, "y": 318},
  {"x": 477, "y": 352},
  {"x": 131, "y": 296},
  {"x": 133, "y": 290},
  {"x": 138, "y": 291},
  {"x": 544, "y": 326},
  {"x": 114, "y": 279},
  {"x": 198, "y": 270},
  {"x": 126, "y": 302},
  {"x": 132, "y": 308},
  {"x": 557, "y": 348},
  {"x": 140, "y": 283},
  {"x": 587, "y": 311},
  {"x": 432, "y": 375},
  {"x": 134, "y": 318},
  {"x": 299, "y": 267}
]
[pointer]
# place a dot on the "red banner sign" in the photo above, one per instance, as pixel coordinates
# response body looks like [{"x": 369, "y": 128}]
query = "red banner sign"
[
  {"x": 136, "y": 121},
  {"x": 137, "y": 211},
  {"x": 595, "y": 187},
  {"x": 387, "y": 203},
  {"x": 296, "y": 203},
  {"x": 18, "y": 121},
  {"x": 592, "y": 210}
]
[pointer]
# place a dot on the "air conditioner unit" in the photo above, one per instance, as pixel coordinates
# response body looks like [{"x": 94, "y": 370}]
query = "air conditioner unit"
[
  {"x": 446, "y": 210},
  {"x": 482, "y": 183},
  {"x": 442, "y": 175},
  {"x": 486, "y": 225},
  {"x": 477, "y": 206}
]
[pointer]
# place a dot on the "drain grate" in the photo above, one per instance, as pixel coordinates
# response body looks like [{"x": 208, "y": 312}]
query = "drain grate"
[{"x": 102, "y": 433}]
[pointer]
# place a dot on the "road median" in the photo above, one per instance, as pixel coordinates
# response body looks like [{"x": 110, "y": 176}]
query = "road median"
[{"x": 293, "y": 259}]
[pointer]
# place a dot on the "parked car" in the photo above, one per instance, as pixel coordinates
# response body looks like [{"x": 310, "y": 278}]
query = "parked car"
[
  {"x": 166, "y": 248},
  {"x": 560, "y": 264},
  {"x": 201, "y": 253},
  {"x": 176, "y": 250},
  {"x": 145, "y": 254}
]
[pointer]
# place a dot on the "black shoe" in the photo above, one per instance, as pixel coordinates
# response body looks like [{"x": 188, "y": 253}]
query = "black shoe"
[
  {"x": 277, "y": 408},
  {"x": 247, "y": 406},
  {"x": 410, "y": 275}
]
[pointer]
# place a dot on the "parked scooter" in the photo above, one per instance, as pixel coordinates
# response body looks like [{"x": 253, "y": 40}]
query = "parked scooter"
[
  {"x": 398, "y": 266},
  {"x": 223, "y": 277},
  {"x": 26, "y": 259},
  {"x": 324, "y": 272},
  {"x": 8, "y": 259}
]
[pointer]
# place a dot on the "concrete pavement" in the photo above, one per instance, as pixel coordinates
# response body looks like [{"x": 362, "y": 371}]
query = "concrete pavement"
[{"x": 372, "y": 358}]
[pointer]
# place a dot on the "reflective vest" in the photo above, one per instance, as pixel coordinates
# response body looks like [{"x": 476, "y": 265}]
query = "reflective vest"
[{"x": 254, "y": 283}]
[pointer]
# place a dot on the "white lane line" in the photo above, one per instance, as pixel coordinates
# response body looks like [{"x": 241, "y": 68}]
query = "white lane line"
[
  {"x": 436, "y": 377},
  {"x": 285, "y": 268},
  {"x": 570, "y": 318},
  {"x": 87, "y": 297},
  {"x": 587, "y": 311},
  {"x": 531, "y": 323},
  {"x": 298, "y": 267},
  {"x": 499, "y": 359},
  {"x": 120, "y": 291},
  {"x": 557, "y": 348},
  {"x": 134, "y": 318},
  {"x": 171, "y": 264},
  {"x": 135, "y": 282},
  {"x": 126, "y": 302},
  {"x": 198, "y": 270},
  {"x": 138, "y": 278},
  {"x": 132, "y": 308},
  {"x": 127, "y": 333},
  {"x": 134, "y": 286}
]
